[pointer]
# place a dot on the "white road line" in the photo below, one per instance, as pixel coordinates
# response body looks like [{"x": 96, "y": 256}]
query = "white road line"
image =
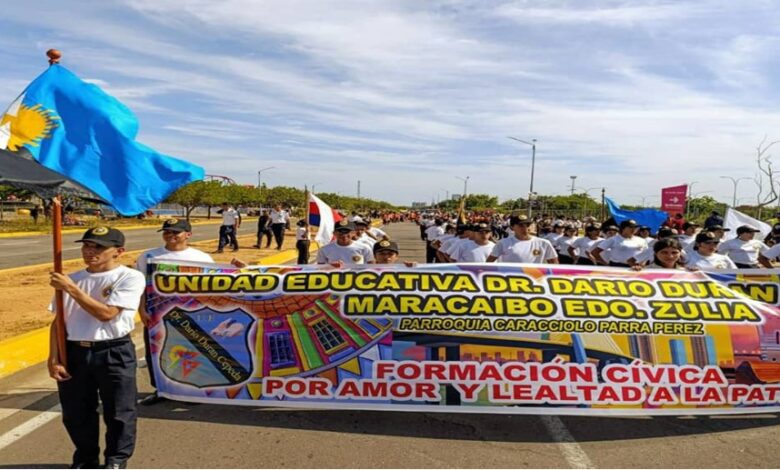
[
  {"x": 29, "y": 426},
  {"x": 574, "y": 454}
]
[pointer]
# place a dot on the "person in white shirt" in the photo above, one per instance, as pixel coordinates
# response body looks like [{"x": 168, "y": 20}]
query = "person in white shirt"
[
  {"x": 746, "y": 252},
  {"x": 772, "y": 253},
  {"x": 432, "y": 233},
  {"x": 563, "y": 243},
  {"x": 648, "y": 254},
  {"x": 522, "y": 247},
  {"x": 463, "y": 233},
  {"x": 688, "y": 237},
  {"x": 557, "y": 232},
  {"x": 99, "y": 311},
  {"x": 478, "y": 249},
  {"x": 667, "y": 255},
  {"x": 280, "y": 220},
  {"x": 231, "y": 221},
  {"x": 344, "y": 250},
  {"x": 176, "y": 234},
  {"x": 302, "y": 241},
  {"x": 624, "y": 247},
  {"x": 377, "y": 233},
  {"x": 609, "y": 232},
  {"x": 704, "y": 256},
  {"x": 580, "y": 249}
]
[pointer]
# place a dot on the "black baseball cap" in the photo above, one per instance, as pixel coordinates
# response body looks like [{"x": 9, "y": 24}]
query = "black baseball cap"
[
  {"x": 627, "y": 223},
  {"x": 344, "y": 225},
  {"x": 519, "y": 220},
  {"x": 664, "y": 232},
  {"x": 746, "y": 229},
  {"x": 103, "y": 236},
  {"x": 176, "y": 225},
  {"x": 483, "y": 227},
  {"x": 610, "y": 227},
  {"x": 714, "y": 228},
  {"x": 776, "y": 228},
  {"x": 386, "y": 245},
  {"x": 360, "y": 222},
  {"x": 706, "y": 237},
  {"x": 688, "y": 225},
  {"x": 644, "y": 227}
]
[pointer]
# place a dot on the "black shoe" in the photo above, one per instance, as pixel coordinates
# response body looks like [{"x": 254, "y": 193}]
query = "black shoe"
[
  {"x": 218, "y": 251},
  {"x": 116, "y": 465},
  {"x": 94, "y": 464},
  {"x": 255, "y": 246},
  {"x": 151, "y": 399}
]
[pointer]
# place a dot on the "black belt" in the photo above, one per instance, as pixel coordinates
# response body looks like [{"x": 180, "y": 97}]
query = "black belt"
[
  {"x": 619, "y": 265},
  {"x": 98, "y": 345},
  {"x": 747, "y": 266}
]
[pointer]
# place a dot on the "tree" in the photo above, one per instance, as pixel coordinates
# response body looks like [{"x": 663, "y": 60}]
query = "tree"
[
  {"x": 195, "y": 194},
  {"x": 764, "y": 179}
]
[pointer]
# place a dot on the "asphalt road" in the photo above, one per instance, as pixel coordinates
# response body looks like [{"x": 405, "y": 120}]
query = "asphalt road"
[
  {"x": 36, "y": 249},
  {"x": 181, "y": 435}
]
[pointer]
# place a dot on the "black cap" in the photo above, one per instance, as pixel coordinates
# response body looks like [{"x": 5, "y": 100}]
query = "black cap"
[
  {"x": 483, "y": 227},
  {"x": 665, "y": 232},
  {"x": 713, "y": 228},
  {"x": 360, "y": 222},
  {"x": 776, "y": 228},
  {"x": 344, "y": 225},
  {"x": 628, "y": 223},
  {"x": 461, "y": 228},
  {"x": 386, "y": 245},
  {"x": 103, "y": 236},
  {"x": 519, "y": 220},
  {"x": 644, "y": 227},
  {"x": 176, "y": 225},
  {"x": 592, "y": 228},
  {"x": 610, "y": 227},
  {"x": 705, "y": 237},
  {"x": 688, "y": 225},
  {"x": 746, "y": 229}
]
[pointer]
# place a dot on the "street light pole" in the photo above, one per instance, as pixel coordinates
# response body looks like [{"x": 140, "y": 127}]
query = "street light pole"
[
  {"x": 532, "y": 143},
  {"x": 260, "y": 173},
  {"x": 688, "y": 198},
  {"x": 735, "y": 182},
  {"x": 465, "y": 184},
  {"x": 573, "y": 179}
]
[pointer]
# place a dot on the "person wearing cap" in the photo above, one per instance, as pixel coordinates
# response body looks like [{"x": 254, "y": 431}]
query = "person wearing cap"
[
  {"x": 522, "y": 247},
  {"x": 745, "y": 251},
  {"x": 556, "y": 233},
  {"x": 344, "y": 250},
  {"x": 264, "y": 230},
  {"x": 704, "y": 254},
  {"x": 231, "y": 221},
  {"x": 478, "y": 249},
  {"x": 176, "y": 234},
  {"x": 648, "y": 254},
  {"x": 449, "y": 234},
  {"x": 580, "y": 249},
  {"x": 386, "y": 252},
  {"x": 432, "y": 234},
  {"x": 688, "y": 237},
  {"x": 463, "y": 234},
  {"x": 302, "y": 241},
  {"x": 361, "y": 234},
  {"x": 623, "y": 247},
  {"x": 644, "y": 232},
  {"x": 713, "y": 220},
  {"x": 773, "y": 253},
  {"x": 609, "y": 231},
  {"x": 563, "y": 243},
  {"x": 719, "y": 231},
  {"x": 99, "y": 310},
  {"x": 773, "y": 237}
]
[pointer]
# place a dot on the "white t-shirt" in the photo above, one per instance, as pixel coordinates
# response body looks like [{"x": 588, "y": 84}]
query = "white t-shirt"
[
  {"x": 121, "y": 287},
  {"x": 160, "y": 254},
  {"x": 562, "y": 245},
  {"x": 687, "y": 241},
  {"x": 229, "y": 216},
  {"x": 621, "y": 249},
  {"x": 301, "y": 233},
  {"x": 377, "y": 232},
  {"x": 279, "y": 217},
  {"x": 354, "y": 253},
  {"x": 741, "y": 251},
  {"x": 552, "y": 237},
  {"x": 434, "y": 232},
  {"x": 714, "y": 261},
  {"x": 584, "y": 245},
  {"x": 471, "y": 252},
  {"x": 448, "y": 247},
  {"x": 535, "y": 250},
  {"x": 773, "y": 252}
]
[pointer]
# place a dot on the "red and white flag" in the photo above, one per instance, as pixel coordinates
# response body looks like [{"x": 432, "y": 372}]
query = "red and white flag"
[{"x": 322, "y": 217}]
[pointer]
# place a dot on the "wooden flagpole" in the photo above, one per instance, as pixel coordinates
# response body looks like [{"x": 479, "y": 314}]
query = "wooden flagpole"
[{"x": 56, "y": 216}]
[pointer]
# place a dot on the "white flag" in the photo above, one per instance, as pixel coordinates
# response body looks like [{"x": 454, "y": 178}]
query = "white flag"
[
  {"x": 321, "y": 216},
  {"x": 735, "y": 218}
]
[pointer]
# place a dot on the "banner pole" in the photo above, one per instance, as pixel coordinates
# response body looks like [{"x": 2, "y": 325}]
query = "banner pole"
[{"x": 59, "y": 296}]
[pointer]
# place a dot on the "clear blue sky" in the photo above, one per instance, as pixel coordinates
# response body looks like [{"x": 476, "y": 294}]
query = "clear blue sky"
[{"x": 407, "y": 95}]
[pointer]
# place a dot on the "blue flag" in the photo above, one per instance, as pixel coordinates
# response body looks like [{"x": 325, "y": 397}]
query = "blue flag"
[
  {"x": 76, "y": 129},
  {"x": 653, "y": 218}
]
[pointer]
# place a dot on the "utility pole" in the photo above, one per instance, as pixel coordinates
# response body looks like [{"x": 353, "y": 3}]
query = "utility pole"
[
  {"x": 603, "y": 196},
  {"x": 573, "y": 179},
  {"x": 358, "y": 188}
]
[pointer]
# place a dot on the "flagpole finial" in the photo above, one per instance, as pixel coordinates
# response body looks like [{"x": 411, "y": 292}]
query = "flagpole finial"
[{"x": 54, "y": 56}]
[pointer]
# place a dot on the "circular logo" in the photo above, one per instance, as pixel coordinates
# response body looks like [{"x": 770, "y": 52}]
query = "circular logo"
[
  {"x": 107, "y": 291},
  {"x": 536, "y": 252},
  {"x": 357, "y": 258},
  {"x": 172, "y": 221},
  {"x": 99, "y": 230},
  {"x": 384, "y": 243},
  {"x": 343, "y": 223}
]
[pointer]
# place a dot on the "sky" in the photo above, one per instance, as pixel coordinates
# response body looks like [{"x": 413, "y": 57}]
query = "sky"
[{"x": 411, "y": 97}]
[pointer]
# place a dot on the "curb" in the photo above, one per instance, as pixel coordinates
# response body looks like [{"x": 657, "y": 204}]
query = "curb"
[{"x": 126, "y": 227}]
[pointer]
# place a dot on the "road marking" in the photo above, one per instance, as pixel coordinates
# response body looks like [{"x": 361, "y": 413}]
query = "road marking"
[
  {"x": 29, "y": 426},
  {"x": 574, "y": 454}
]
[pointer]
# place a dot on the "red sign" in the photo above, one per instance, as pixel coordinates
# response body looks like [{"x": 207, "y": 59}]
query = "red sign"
[{"x": 673, "y": 199}]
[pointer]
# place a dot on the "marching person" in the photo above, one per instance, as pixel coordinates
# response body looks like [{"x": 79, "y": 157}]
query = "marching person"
[
  {"x": 432, "y": 234},
  {"x": 302, "y": 241},
  {"x": 99, "y": 310},
  {"x": 580, "y": 249},
  {"x": 745, "y": 251},
  {"x": 231, "y": 221},
  {"x": 263, "y": 230},
  {"x": 386, "y": 252},
  {"x": 522, "y": 247},
  {"x": 176, "y": 234},
  {"x": 704, "y": 254},
  {"x": 564, "y": 243},
  {"x": 623, "y": 247},
  {"x": 667, "y": 255},
  {"x": 478, "y": 249},
  {"x": 280, "y": 218},
  {"x": 344, "y": 250}
]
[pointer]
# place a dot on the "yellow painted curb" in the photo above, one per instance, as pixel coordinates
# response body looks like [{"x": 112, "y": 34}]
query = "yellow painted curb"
[
  {"x": 23, "y": 351},
  {"x": 80, "y": 229}
]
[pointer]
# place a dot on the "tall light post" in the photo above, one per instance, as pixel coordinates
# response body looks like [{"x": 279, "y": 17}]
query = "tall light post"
[
  {"x": 587, "y": 198},
  {"x": 260, "y": 173},
  {"x": 573, "y": 179},
  {"x": 532, "y": 143},
  {"x": 688, "y": 197},
  {"x": 645, "y": 198},
  {"x": 314, "y": 186},
  {"x": 735, "y": 182},
  {"x": 465, "y": 184}
]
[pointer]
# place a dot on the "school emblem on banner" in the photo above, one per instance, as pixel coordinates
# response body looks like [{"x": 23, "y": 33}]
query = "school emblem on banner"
[{"x": 207, "y": 348}]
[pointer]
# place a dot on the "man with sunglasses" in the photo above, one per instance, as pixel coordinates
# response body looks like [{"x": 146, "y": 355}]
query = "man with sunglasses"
[{"x": 176, "y": 234}]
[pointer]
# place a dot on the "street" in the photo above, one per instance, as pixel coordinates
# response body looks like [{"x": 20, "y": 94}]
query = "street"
[{"x": 182, "y": 435}]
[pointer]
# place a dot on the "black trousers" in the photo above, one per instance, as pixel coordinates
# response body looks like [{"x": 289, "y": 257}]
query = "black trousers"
[
  {"x": 265, "y": 233},
  {"x": 227, "y": 236},
  {"x": 585, "y": 261},
  {"x": 746, "y": 266},
  {"x": 107, "y": 370},
  {"x": 278, "y": 230},
  {"x": 430, "y": 253},
  {"x": 303, "y": 251},
  {"x": 148, "y": 357},
  {"x": 565, "y": 259}
]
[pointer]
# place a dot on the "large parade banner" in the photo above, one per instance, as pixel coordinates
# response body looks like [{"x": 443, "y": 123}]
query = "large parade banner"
[{"x": 494, "y": 338}]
